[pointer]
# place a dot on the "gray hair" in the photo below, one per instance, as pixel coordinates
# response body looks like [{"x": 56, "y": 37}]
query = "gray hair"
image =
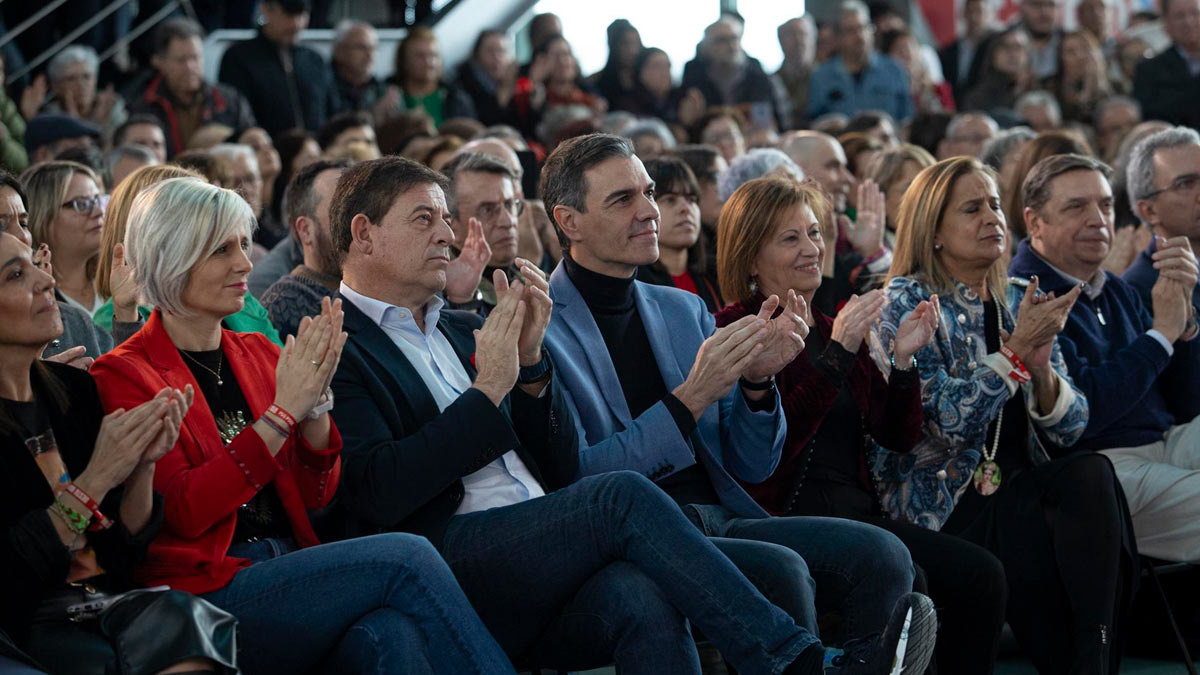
[
  {"x": 854, "y": 6},
  {"x": 558, "y": 117},
  {"x": 1002, "y": 144},
  {"x": 1140, "y": 175},
  {"x": 1040, "y": 97},
  {"x": 616, "y": 122},
  {"x": 754, "y": 164},
  {"x": 72, "y": 54},
  {"x": 563, "y": 181},
  {"x": 961, "y": 118},
  {"x": 345, "y": 26},
  {"x": 1035, "y": 190},
  {"x": 173, "y": 226},
  {"x": 234, "y": 151},
  {"x": 648, "y": 127},
  {"x": 503, "y": 132},
  {"x": 1113, "y": 101},
  {"x": 130, "y": 151},
  {"x": 471, "y": 162}
]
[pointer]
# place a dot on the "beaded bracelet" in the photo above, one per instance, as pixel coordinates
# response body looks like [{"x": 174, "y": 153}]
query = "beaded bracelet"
[
  {"x": 74, "y": 520},
  {"x": 99, "y": 522},
  {"x": 903, "y": 370}
]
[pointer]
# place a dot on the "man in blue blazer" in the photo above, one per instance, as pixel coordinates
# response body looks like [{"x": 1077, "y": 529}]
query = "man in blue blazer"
[
  {"x": 456, "y": 429},
  {"x": 654, "y": 389}
]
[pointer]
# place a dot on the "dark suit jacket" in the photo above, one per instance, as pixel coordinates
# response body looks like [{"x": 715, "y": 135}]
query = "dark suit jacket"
[
  {"x": 403, "y": 460},
  {"x": 254, "y": 68},
  {"x": 1167, "y": 91}
]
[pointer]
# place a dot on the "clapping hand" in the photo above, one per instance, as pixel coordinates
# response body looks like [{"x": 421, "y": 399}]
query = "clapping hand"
[
  {"x": 309, "y": 359},
  {"x": 497, "y": 352},
  {"x": 76, "y": 357},
  {"x": 535, "y": 293},
  {"x": 178, "y": 403},
  {"x": 855, "y": 319},
  {"x": 865, "y": 234},
  {"x": 916, "y": 331},
  {"x": 1040, "y": 318},
  {"x": 464, "y": 272},
  {"x": 784, "y": 339}
]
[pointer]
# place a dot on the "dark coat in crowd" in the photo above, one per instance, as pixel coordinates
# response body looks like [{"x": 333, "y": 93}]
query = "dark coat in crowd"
[
  {"x": 306, "y": 97},
  {"x": 482, "y": 93},
  {"x": 1167, "y": 90},
  {"x": 221, "y": 105},
  {"x": 754, "y": 88}
]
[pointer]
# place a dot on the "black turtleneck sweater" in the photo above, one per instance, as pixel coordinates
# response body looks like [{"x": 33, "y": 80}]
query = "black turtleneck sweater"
[{"x": 614, "y": 309}]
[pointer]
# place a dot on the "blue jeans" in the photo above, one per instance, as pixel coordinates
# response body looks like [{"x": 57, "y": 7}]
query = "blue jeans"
[
  {"x": 606, "y": 569},
  {"x": 859, "y": 571},
  {"x": 381, "y": 604}
]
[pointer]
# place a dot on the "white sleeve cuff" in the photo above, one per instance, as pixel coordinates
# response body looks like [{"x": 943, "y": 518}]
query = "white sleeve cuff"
[
  {"x": 1162, "y": 340},
  {"x": 1003, "y": 368},
  {"x": 1066, "y": 398},
  {"x": 883, "y": 264}
]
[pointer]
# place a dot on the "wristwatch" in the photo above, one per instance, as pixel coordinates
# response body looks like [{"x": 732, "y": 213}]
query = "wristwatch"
[{"x": 757, "y": 386}]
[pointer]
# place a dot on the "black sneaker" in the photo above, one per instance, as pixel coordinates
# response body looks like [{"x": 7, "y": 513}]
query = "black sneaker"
[{"x": 904, "y": 648}]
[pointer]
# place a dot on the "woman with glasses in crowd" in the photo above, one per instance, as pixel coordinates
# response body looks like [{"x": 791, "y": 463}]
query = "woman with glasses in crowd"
[{"x": 66, "y": 213}]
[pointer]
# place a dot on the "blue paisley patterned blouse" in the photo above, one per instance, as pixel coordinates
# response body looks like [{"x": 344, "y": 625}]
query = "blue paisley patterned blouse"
[{"x": 963, "y": 389}]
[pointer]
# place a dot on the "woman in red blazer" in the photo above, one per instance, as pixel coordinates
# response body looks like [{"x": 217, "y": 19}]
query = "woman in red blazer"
[{"x": 256, "y": 451}]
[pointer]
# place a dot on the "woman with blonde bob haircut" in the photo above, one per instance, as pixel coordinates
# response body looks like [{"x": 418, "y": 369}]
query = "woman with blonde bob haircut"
[
  {"x": 114, "y": 277},
  {"x": 66, "y": 213},
  {"x": 258, "y": 451},
  {"x": 840, "y": 407},
  {"x": 999, "y": 408}
]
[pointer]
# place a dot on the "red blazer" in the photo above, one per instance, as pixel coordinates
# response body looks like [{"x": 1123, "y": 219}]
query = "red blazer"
[{"x": 203, "y": 482}]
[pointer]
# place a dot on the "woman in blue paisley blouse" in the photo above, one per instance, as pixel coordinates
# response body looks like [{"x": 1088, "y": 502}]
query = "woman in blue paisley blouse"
[{"x": 1000, "y": 415}]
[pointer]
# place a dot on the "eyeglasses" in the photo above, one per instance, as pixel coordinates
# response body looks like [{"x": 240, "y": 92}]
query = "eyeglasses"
[
  {"x": 87, "y": 204},
  {"x": 1182, "y": 185},
  {"x": 490, "y": 211}
]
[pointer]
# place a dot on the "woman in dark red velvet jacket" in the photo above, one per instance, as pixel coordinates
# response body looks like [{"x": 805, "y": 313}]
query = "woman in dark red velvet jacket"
[{"x": 839, "y": 404}]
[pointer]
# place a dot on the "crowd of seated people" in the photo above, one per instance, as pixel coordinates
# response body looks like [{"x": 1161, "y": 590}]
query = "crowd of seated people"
[{"x": 495, "y": 366}]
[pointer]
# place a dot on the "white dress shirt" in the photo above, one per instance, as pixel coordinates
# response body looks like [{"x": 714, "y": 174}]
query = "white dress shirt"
[{"x": 506, "y": 480}]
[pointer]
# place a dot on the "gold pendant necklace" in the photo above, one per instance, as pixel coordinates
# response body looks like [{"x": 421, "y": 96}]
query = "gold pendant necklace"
[
  {"x": 986, "y": 478},
  {"x": 216, "y": 373}
]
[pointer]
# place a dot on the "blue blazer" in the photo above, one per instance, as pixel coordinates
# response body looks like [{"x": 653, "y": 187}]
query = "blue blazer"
[{"x": 729, "y": 440}]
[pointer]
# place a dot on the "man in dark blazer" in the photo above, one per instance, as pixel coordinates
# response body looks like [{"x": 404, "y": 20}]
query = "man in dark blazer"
[
  {"x": 456, "y": 429},
  {"x": 287, "y": 85},
  {"x": 1168, "y": 85},
  {"x": 655, "y": 389}
]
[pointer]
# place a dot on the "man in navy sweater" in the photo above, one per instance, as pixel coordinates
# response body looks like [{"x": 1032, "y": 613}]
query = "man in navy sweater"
[
  {"x": 1163, "y": 180},
  {"x": 1139, "y": 370}
]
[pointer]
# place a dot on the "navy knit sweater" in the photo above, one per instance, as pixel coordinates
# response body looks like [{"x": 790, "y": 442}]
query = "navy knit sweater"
[{"x": 1135, "y": 389}]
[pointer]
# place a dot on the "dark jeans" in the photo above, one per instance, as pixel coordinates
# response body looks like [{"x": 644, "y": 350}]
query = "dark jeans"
[
  {"x": 858, "y": 571},
  {"x": 383, "y": 604},
  {"x": 607, "y": 569}
]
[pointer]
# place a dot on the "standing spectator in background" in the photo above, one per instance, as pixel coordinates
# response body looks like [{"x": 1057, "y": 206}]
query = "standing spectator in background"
[
  {"x": 726, "y": 76},
  {"x": 1040, "y": 21},
  {"x": 617, "y": 81},
  {"x": 798, "y": 41},
  {"x": 178, "y": 97},
  {"x": 417, "y": 82},
  {"x": 144, "y": 130},
  {"x": 1168, "y": 85},
  {"x": 1082, "y": 77},
  {"x": 12, "y": 130},
  {"x": 306, "y": 210},
  {"x": 1114, "y": 118},
  {"x": 858, "y": 78},
  {"x": 957, "y": 56},
  {"x": 287, "y": 85},
  {"x": 354, "y": 46},
  {"x": 966, "y": 135},
  {"x": 490, "y": 77},
  {"x": 73, "y": 82}
]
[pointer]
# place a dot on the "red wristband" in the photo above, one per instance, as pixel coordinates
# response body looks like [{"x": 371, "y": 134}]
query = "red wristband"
[
  {"x": 283, "y": 415},
  {"x": 1019, "y": 372},
  {"x": 99, "y": 522}
]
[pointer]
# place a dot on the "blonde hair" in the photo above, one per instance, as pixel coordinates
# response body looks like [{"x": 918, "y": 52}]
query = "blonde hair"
[
  {"x": 46, "y": 186},
  {"x": 886, "y": 166},
  {"x": 920, "y": 218},
  {"x": 173, "y": 226},
  {"x": 749, "y": 219},
  {"x": 118, "y": 214}
]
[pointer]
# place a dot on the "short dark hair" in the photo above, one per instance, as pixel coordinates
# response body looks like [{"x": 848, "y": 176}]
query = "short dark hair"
[
  {"x": 179, "y": 28},
  {"x": 1035, "y": 190},
  {"x": 10, "y": 181},
  {"x": 867, "y": 120},
  {"x": 91, "y": 157},
  {"x": 134, "y": 120},
  {"x": 700, "y": 159},
  {"x": 484, "y": 35},
  {"x": 371, "y": 188},
  {"x": 563, "y": 181},
  {"x": 299, "y": 198},
  {"x": 672, "y": 175},
  {"x": 340, "y": 123},
  {"x": 471, "y": 161}
]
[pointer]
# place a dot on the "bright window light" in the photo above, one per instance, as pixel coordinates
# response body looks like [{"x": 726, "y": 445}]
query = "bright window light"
[{"x": 674, "y": 26}]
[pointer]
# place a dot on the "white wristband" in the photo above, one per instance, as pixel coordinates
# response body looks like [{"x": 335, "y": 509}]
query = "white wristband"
[{"x": 323, "y": 407}]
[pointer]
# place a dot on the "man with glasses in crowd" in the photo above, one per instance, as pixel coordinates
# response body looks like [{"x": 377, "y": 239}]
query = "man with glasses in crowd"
[{"x": 859, "y": 78}]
